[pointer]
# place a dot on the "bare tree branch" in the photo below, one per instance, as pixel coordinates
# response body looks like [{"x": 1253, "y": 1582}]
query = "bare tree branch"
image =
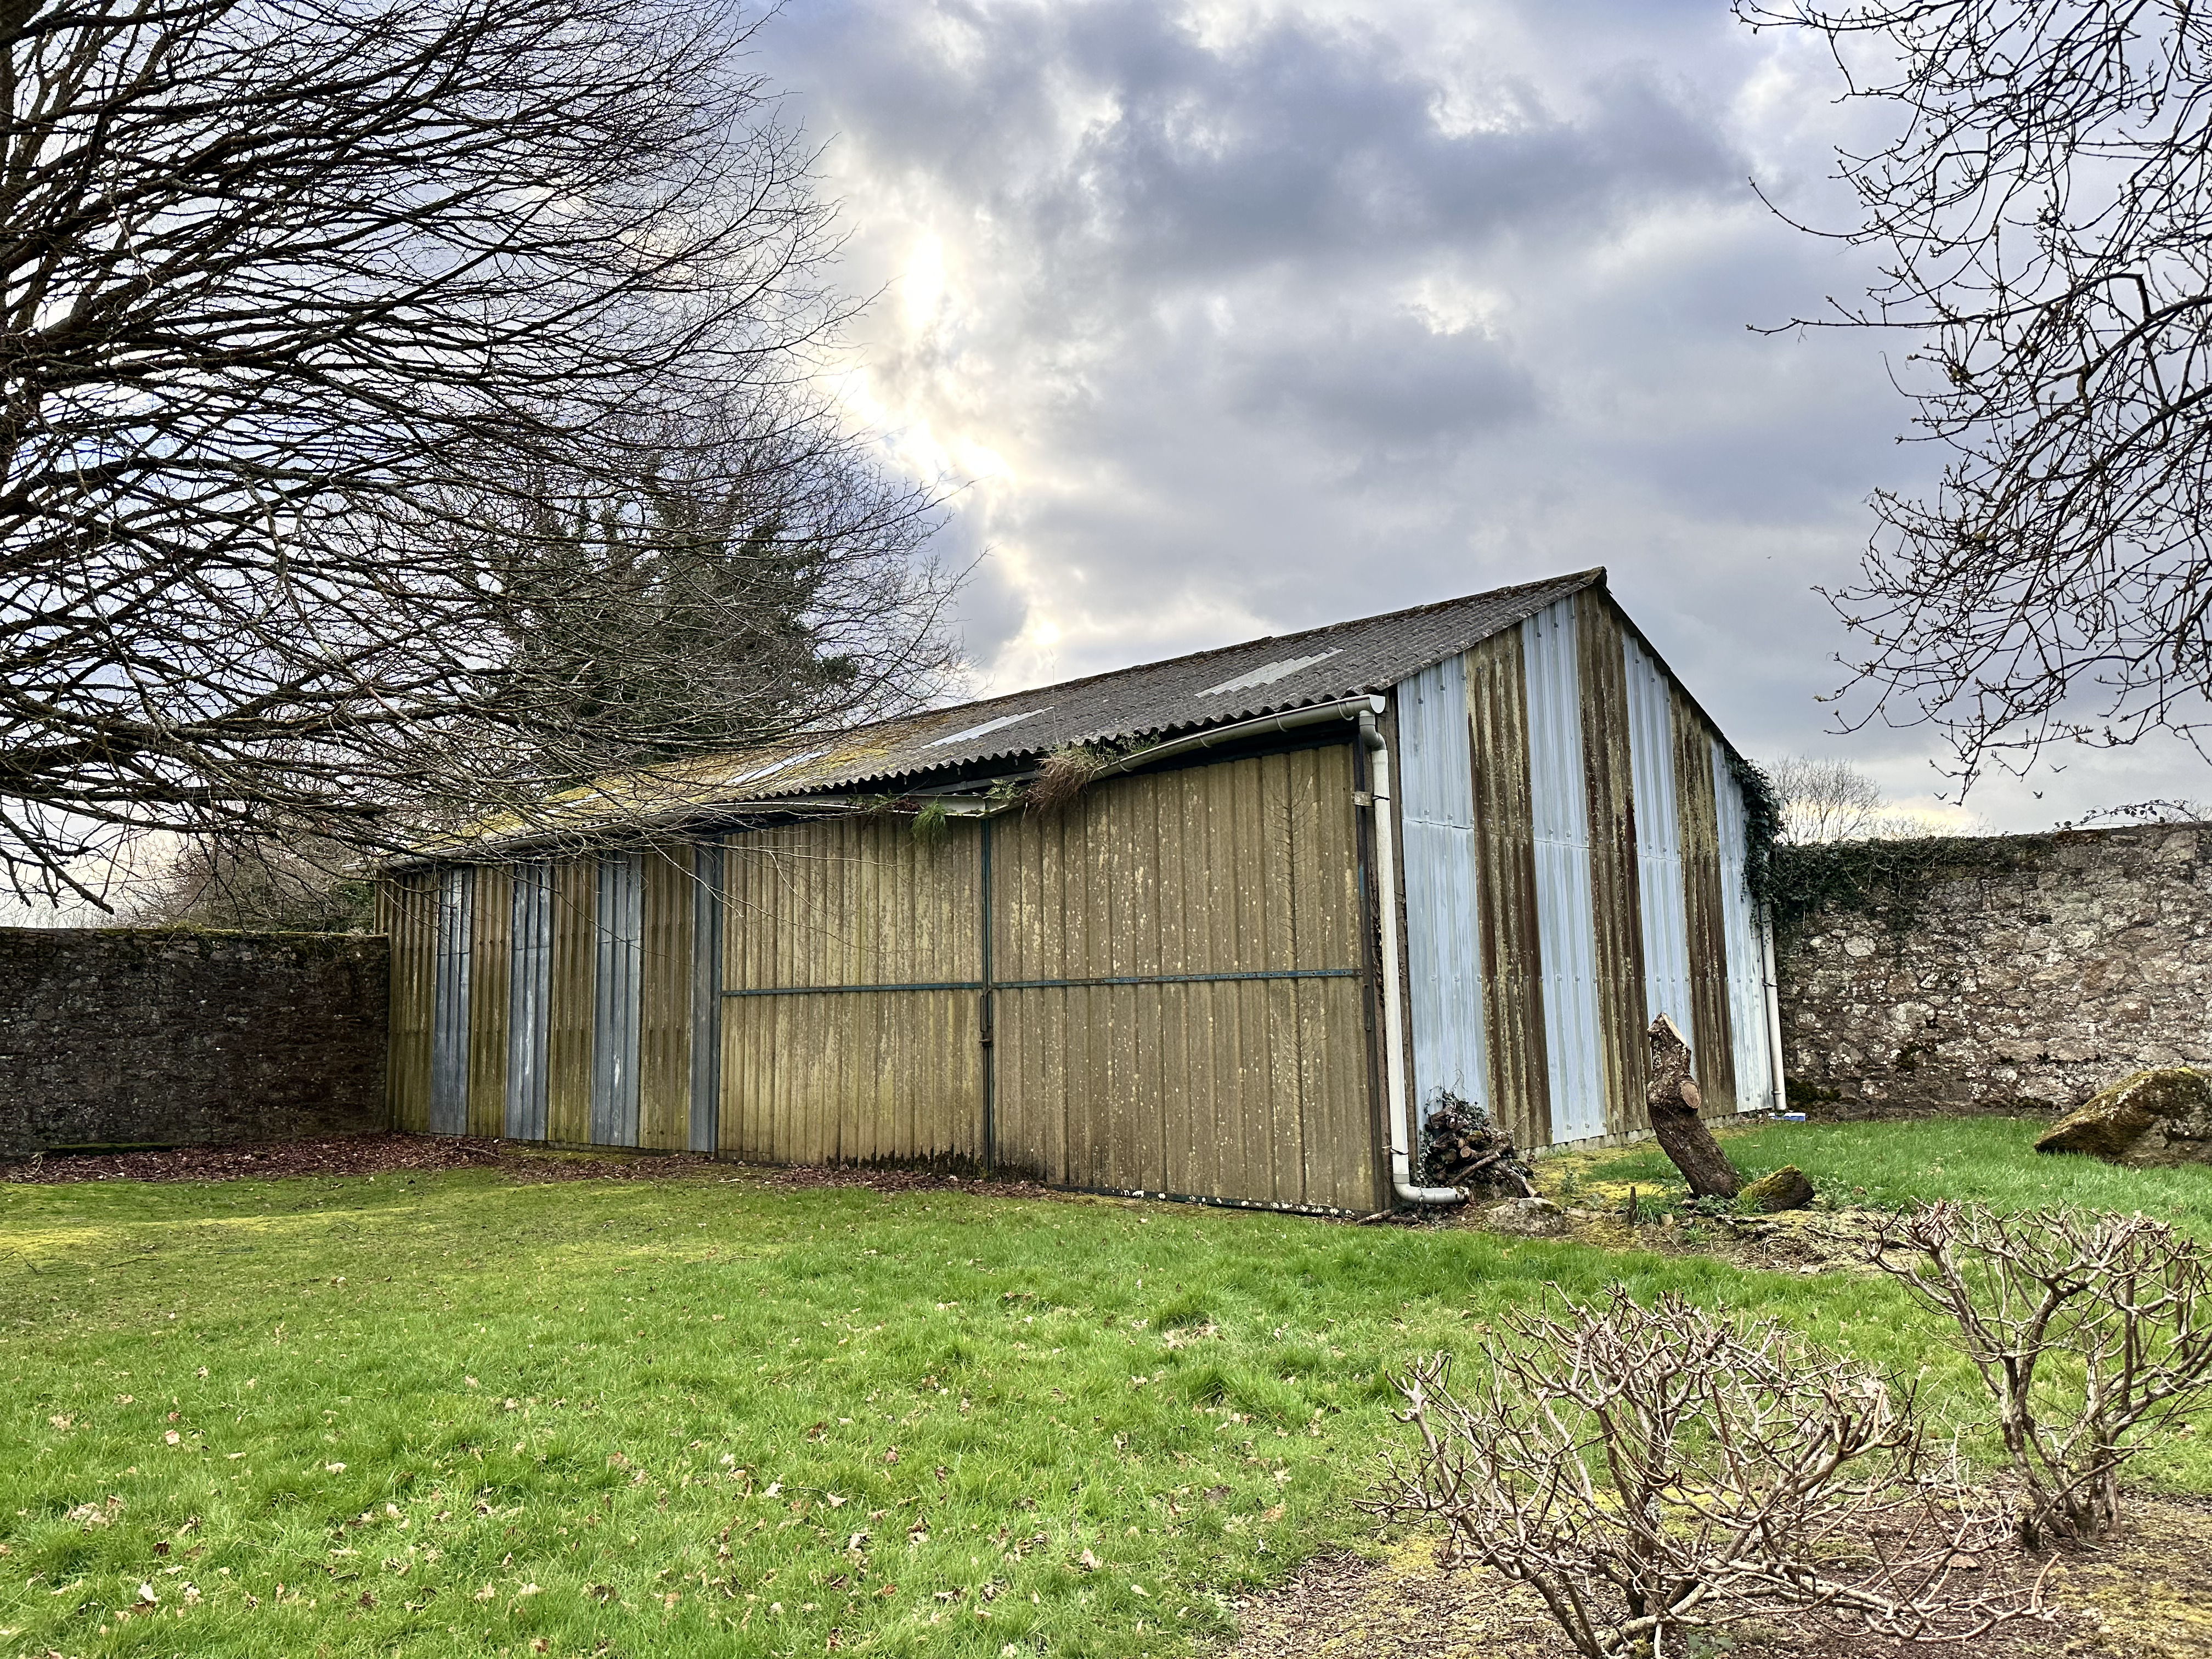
[
  {"x": 308, "y": 309},
  {"x": 2044, "y": 219}
]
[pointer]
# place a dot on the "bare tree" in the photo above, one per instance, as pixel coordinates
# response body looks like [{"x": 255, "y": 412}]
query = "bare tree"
[
  {"x": 1653, "y": 1473},
  {"x": 304, "y": 302},
  {"x": 257, "y": 883},
  {"x": 2089, "y": 1332},
  {"x": 2044, "y": 219},
  {"x": 1826, "y": 800}
]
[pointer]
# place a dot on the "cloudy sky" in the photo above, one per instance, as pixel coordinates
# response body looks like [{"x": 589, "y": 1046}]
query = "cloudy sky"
[{"x": 1232, "y": 319}]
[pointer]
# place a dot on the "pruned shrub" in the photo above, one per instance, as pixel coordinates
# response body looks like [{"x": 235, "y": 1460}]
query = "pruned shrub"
[
  {"x": 1653, "y": 1473},
  {"x": 2088, "y": 1332}
]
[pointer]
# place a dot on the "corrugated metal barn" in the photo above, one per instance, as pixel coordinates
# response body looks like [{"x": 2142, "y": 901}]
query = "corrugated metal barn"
[{"x": 1177, "y": 982}]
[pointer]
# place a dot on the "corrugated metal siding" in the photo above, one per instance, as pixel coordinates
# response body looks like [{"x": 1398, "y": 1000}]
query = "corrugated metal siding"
[
  {"x": 1560, "y": 821},
  {"x": 529, "y": 1001},
  {"x": 1706, "y": 924},
  {"x": 569, "y": 1019},
  {"x": 1658, "y": 845},
  {"x": 1504, "y": 845},
  {"x": 706, "y": 996},
  {"x": 491, "y": 963},
  {"x": 449, "y": 1030},
  {"x": 1615, "y": 900},
  {"x": 616, "y": 1003},
  {"x": 408, "y": 914},
  {"x": 1754, "y": 1053},
  {"x": 852, "y": 1075},
  {"x": 664, "y": 1052},
  {"x": 1436, "y": 796},
  {"x": 1252, "y": 1088}
]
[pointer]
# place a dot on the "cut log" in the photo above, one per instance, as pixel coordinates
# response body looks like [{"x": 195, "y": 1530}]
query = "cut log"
[{"x": 1675, "y": 1105}]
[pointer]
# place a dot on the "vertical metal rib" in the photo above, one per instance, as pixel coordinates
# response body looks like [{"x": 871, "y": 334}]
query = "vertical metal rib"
[
  {"x": 1658, "y": 841},
  {"x": 530, "y": 1010},
  {"x": 706, "y": 995},
  {"x": 449, "y": 1030},
  {"x": 1746, "y": 951},
  {"x": 615, "y": 1010},
  {"x": 1436, "y": 795}
]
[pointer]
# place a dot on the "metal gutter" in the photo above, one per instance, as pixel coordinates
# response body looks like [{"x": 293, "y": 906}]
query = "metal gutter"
[{"x": 1401, "y": 1105}]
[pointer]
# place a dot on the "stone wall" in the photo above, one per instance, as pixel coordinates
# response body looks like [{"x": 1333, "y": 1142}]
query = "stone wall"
[
  {"x": 124, "y": 1036},
  {"x": 2016, "y": 973}
]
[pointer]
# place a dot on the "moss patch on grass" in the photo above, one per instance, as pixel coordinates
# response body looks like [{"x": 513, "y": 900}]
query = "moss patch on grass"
[{"x": 448, "y": 1413}]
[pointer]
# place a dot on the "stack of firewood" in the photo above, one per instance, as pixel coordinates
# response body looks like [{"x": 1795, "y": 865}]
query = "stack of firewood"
[{"x": 1461, "y": 1147}]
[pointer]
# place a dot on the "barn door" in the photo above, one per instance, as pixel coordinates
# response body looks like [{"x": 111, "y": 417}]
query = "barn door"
[
  {"x": 852, "y": 995},
  {"x": 1175, "y": 970}
]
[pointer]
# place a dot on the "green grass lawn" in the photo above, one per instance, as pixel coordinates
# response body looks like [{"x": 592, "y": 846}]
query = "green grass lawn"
[
  {"x": 454, "y": 1415},
  {"x": 1890, "y": 1165}
]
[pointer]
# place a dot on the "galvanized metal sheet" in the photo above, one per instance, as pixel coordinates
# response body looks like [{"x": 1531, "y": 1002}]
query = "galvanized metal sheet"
[
  {"x": 1436, "y": 796},
  {"x": 706, "y": 995},
  {"x": 1751, "y": 1044},
  {"x": 1565, "y": 925},
  {"x": 615, "y": 999},
  {"x": 1512, "y": 952},
  {"x": 449, "y": 1030},
  {"x": 530, "y": 1010},
  {"x": 1658, "y": 841}
]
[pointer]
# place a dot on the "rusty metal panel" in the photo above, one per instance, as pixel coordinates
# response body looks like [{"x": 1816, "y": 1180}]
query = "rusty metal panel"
[
  {"x": 1512, "y": 951},
  {"x": 1436, "y": 797},
  {"x": 1753, "y": 1050},
  {"x": 1176, "y": 963},
  {"x": 569, "y": 1034},
  {"x": 490, "y": 963},
  {"x": 449, "y": 1025},
  {"x": 663, "y": 1058},
  {"x": 407, "y": 908},
  {"x": 1705, "y": 922},
  {"x": 529, "y": 1020},
  {"x": 615, "y": 999},
  {"x": 1658, "y": 843},
  {"x": 706, "y": 995},
  {"x": 1559, "y": 800},
  {"x": 1615, "y": 902}
]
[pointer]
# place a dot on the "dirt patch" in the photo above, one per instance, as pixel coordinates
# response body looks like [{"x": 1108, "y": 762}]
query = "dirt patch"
[
  {"x": 390, "y": 1154},
  {"x": 2145, "y": 1595}
]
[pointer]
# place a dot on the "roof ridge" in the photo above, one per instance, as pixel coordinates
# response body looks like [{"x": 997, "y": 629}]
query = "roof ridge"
[{"x": 1573, "y": 580}]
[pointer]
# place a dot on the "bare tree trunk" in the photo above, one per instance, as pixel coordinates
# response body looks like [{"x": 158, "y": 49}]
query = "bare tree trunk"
[{"x": 1675, "y": 1102}]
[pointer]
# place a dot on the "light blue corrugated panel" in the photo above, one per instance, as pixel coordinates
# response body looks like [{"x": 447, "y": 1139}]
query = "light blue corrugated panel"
[
  {"x": 614, "y": 1009},
  {"x": 1746, "y": 955},
  {"x": 1566, "y": 931},
  {"x": 1658, "y": 840},
  {"x": 706, "y": 995},
  {"x": 530, "y": 1001},
  {"x": 449, "y": 1025},
  {"x": 1436, "y": 802}
]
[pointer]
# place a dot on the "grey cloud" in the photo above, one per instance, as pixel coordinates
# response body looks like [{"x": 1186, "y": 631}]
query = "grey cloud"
[
  {"x": 1210, "y": 298},
  {"x": 1391, "y": 386}
]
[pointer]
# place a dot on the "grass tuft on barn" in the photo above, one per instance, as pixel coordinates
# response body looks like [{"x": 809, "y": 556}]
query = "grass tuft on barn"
[{"x": 450, "y": 1414}]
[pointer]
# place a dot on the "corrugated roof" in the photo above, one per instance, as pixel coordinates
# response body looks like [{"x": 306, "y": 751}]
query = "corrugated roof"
[{"x": 1150, "y": 701}]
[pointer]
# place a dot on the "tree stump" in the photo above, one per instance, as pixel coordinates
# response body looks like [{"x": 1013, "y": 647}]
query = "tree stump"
[{"x": 1675, "y": 1102}]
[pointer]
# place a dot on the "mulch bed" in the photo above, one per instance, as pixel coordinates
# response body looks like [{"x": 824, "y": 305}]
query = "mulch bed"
[
  {"x": 390, "y": 1154},
  {"x": 2148, "y": 1594}
]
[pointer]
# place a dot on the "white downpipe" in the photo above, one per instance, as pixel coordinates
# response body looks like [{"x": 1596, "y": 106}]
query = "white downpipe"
[{"x": 1401, "y": 1105}]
